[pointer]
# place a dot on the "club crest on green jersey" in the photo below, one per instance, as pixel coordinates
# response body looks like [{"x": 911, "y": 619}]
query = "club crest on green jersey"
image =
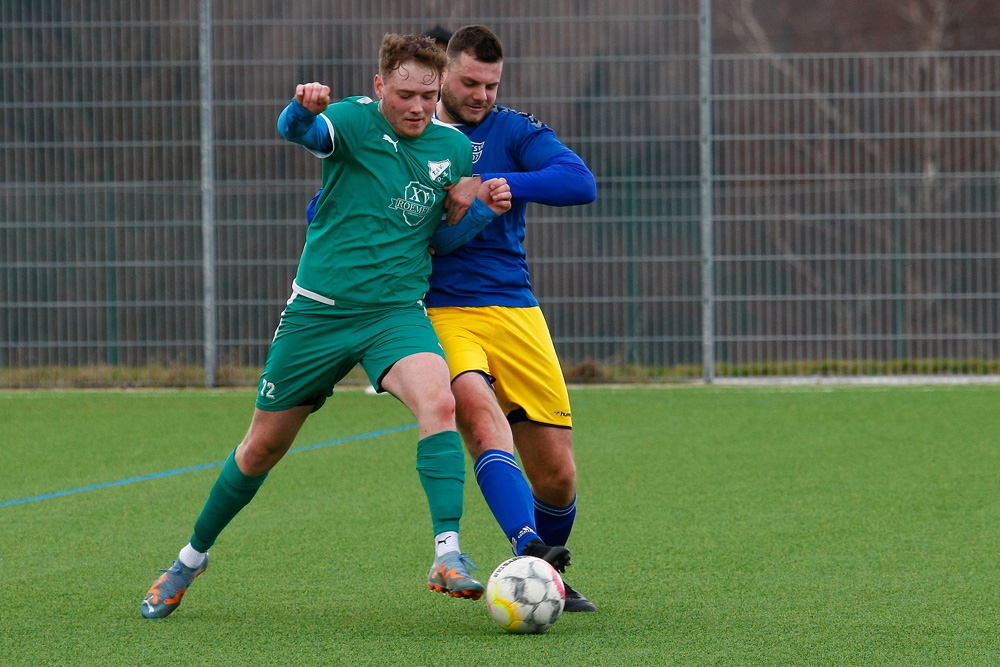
[
  {"x": 416, "y": 203},
  {"x": 439, "y": 171}
]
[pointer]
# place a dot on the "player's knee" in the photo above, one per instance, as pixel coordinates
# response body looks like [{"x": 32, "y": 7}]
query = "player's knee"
[
  {"x": 256, "y": 458},
  {"x": 564, "y": 480},
  {"x": 483, "y": 430},
  {"x": 556, "y": 483},
  {"x": 440, "y": 406}
]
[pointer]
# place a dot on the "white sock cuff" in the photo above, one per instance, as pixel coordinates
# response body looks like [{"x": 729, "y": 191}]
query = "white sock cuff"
[
  {"x": 445, "y": 542},
  {"x": 190, "y": 557}
]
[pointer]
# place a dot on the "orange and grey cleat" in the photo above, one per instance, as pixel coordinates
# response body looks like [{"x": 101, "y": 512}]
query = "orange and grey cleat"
[
  {"x": 450, "y": 575},
  {"x": 167, "y": 591}
]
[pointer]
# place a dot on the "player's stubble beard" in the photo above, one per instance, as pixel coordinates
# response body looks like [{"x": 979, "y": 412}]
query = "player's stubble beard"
[{"x": 454, "y": 109}]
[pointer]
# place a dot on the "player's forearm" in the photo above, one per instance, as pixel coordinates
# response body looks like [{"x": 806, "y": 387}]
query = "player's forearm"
[
  {"x": 448, "y": 239},
  {"x": 563, "y": 181},
  {"x": 299, "y": 125}
]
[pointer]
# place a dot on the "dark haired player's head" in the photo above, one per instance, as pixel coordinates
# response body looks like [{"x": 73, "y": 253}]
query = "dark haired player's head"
[
  {"x": 440, "y": 35},
  {"x": 471, "y": 80},
  {"x": 479, "y": 41}
]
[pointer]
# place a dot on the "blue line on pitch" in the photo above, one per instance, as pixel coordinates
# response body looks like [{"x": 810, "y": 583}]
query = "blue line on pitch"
[{"x": 204, "y": 466}]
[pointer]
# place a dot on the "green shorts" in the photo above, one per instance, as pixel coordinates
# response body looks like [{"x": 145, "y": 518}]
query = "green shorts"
[{"x": 316, "y": 345}]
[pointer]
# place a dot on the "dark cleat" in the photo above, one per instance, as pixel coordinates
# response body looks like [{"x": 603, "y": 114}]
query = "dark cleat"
[
  {"x": 575, "y": 601},
  {"x": 557, "y": 557}
]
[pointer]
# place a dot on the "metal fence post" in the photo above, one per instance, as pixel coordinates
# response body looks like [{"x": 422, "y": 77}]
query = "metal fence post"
[
  {"x": 208, "y": 190},
  {"x": 705, "y": 151}
]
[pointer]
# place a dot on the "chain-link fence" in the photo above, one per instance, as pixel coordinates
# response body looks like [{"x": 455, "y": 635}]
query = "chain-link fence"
[
  {"x": 856, "y": 214},
  {"x": 151, "y": 217}
]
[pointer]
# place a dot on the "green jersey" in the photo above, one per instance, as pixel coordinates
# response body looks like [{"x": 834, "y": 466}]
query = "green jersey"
[{"x": 382, "y": 198}]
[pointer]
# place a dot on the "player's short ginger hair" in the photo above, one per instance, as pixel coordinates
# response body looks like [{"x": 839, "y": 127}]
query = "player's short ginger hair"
[
  {"x": 398, "y": 49},
  {"x": 479, "y": 40}
]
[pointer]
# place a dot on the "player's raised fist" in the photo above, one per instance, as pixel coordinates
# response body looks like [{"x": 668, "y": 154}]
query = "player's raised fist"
[
  {"x": 314, "y": 96},
  {"x": 495, "y": 193}
]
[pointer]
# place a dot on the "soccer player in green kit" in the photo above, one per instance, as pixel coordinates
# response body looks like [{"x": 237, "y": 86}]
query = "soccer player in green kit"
[{"x": 357, "y": 298}]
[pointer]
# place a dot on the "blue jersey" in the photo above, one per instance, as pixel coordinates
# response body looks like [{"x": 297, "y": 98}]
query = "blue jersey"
[{"x": 491, "y": 270}]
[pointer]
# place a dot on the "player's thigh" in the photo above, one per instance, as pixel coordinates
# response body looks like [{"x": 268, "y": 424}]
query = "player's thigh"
[
  {"x": 481, "y": 422},
  {"x": 464, "y": 334},
  {"x": 397, "y": 334},
  {"x": 420, "y": 382},
  {"x": 310, "y": 353},
  {"x": 406, "y": 360},
  {"x": 528, "y": 378}
]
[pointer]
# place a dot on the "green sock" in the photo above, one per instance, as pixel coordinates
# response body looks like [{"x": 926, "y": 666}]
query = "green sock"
[
  {"x": 231, "y": 493},
  {"x": 441, "y": 466}
]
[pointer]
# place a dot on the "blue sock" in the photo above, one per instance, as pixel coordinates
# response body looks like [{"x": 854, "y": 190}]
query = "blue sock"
[
  {"x": 554, "y": 524},
  {"x": 508, "y": 495}
]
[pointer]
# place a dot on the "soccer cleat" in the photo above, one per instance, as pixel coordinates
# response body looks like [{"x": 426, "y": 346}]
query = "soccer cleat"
[
  {"x": 166, "y": 593},
  {"x": 575, "y": 601},
  {"x": 450, "y": 575},
  {"x": 557, "y": 557}
]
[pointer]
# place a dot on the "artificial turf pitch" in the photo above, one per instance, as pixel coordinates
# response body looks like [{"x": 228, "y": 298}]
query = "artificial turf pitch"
[{"x": 716, "y": 526}]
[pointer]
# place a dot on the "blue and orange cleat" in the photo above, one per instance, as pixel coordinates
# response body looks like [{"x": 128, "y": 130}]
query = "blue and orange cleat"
[
  {"x": 166, "y": 593},
  {"x": 450, "y": 575}
]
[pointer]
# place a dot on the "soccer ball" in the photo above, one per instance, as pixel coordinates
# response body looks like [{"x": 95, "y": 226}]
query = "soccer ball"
[{"x": 525, "y": 595}]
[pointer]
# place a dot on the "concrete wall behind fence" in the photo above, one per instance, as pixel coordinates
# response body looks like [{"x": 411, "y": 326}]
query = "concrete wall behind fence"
[{"x": 854, "y": 196}]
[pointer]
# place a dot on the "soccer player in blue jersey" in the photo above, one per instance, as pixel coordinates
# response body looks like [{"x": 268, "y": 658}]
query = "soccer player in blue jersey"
[
  {"x": 357, "y": 298},
  {"x": 508, "y": 384}
]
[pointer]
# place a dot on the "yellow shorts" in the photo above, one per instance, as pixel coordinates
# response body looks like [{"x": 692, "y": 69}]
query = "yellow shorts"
[{"x": 513, "y": 347}]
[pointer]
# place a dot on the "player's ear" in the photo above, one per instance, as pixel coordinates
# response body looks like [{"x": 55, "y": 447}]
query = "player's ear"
[{"x": 378, "y": 87}]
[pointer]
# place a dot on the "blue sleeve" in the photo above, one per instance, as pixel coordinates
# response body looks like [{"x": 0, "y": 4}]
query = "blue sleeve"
[
  {"x": 449, "y": 239},
  {"x": 311, "y": 208},
  {"x": 562, "y": 180},
  {"x": 299, "y": 125},
  {"x": 548, "y": 172}
]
